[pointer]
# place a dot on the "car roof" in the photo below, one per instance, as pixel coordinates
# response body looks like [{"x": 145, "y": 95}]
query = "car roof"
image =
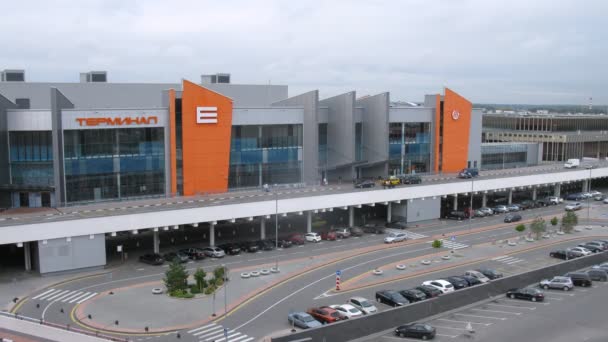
[{"x": 358, "y": 298}]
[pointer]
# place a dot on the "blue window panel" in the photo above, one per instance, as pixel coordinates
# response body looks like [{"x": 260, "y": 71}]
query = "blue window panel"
[
  {"x": 278, "y": 155},
  {"x": 394, "y": 149},
  {"x": 251, "y": 157}
]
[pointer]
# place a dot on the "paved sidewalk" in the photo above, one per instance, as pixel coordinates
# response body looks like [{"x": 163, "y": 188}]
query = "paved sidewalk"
[{"x": 25, "y": 331}]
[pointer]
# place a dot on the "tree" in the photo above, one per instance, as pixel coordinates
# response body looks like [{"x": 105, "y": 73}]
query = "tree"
[
  {"x": 219, "y": 272},
  {"x": 520, "y": 227},
  {"x": 554, "y": 221},
  {"x": 199, "y": 276},
  {"x": 538, "y": 226},
  {"x": 437, "y": 244},
  {"x": 176, "y": 277},
  {"x": 569, "y": 220}
]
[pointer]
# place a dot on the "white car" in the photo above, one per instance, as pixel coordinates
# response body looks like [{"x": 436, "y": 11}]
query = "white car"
[
  {"x": 580, "y": 251},
  {"x": 605, "y": 200},
  {"x": 573, "y": 206},
  {"x": 312, "y": 237},
  {"x": 441, "y": 285},
  {"x": 395, "y": 237},
  {"x": 482, "y": 278},
  {"x": 363, "y": 304},
  {"x": 347, "y": 310},
  {"x": 214, "y": 252},
  {"x": 595, "y": 193}
]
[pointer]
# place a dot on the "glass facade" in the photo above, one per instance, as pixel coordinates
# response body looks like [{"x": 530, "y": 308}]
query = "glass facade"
[
  {"x": 268, "y": 154},
  {"x": 503, "y": 156},
  {"x": 105, "y": 164},
  {"x": 409, "y": 147},
  {"x": 31, "y": 157}
]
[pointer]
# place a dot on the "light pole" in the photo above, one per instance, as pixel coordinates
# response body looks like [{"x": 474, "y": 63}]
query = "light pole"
[
  {"x": 225, "y": 289},
  {"x": 276, "y": 227},
  {"x": 471, "y": 204},
  {"x": 588, "y": 190}
]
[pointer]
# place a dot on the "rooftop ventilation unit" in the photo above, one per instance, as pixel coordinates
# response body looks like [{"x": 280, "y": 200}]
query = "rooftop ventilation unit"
[
  {"x": 215, "y": 78},
  {"x": 94, "y": 77},
  {"x": 12, "y": 75}
]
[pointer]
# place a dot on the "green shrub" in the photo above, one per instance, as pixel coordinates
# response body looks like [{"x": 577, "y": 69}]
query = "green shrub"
[
  {"x": 181, "y": 294},
  {"x": 554, "y": 221},
  {"x": 219, "y": 272},
  {"x": 219, "y": 282},
  {"x": 520, "y": 227},
  {"x": 194, "y": 290},
  {"x": 210, "y": 289},
  {"x": 437, "y": 244}
]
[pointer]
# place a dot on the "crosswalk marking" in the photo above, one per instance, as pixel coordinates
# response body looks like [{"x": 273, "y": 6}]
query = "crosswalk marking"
[
  {"x": 43, "y": 293},
  {"x": 57, "y": 295},
  {"x": 73, "y": 295},
  {"x": 65, "y": 296},
  {"x": 215, "y": 332},
  {"x": 410, "y": 235},
  {"x": 87, "y": 297},
  {"x": 200, "y": 328},
  {"x": 506, "y": 259},
  {"x": 451, "y": 244}
]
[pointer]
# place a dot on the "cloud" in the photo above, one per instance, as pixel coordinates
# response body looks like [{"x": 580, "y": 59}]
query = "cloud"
[{"x": 517, "y": 51}]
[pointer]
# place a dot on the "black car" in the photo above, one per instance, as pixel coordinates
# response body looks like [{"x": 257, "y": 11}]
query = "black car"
[
  {"x": 194, "y": 253},
  {"x": 591, "y": 247},
  {"x": 457, "y": 215},
  {"x": 472, "y": 281},
  {"x": 372, "y": 228},
  {"x": 152, "y": 259},
  {"x": 416, "y": 330},
  {"x": 457, "y": 282},
  {"x": 562, "y": 254},
  {"x": 528, "y": 293},
  {"x": 391, "y": 297},
  {"x": 285, "y": 243},
  {"x": 410, "y": 179},
  {"x": 526, "y": 204},
  {"x": 575, "y": 197},
  {"x": 176, "y": 256},
  {"x": 231, "y": 248},
  {"x": 580, "y": 279},
  {"x": 413, "y": 295},
  {"x": 365, "y": 184},
  {"x": 265, "y": 245},
  {"x": 249, "y": 246},
  {"x": 396, "y": 225},
  {"x": 598, "y": 274},
  {"x": 429, "y": 291},
  {"x": 490, "y": 273},
  {"x": 512, "y": 218}
]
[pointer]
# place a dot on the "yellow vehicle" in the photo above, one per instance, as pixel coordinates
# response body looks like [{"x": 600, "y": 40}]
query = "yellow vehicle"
[{"x": 391, "y": 182}]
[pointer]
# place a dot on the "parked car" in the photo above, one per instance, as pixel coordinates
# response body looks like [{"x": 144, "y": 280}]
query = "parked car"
[
  {"x": 472, "y": 281},
  {"x": 231, "y": 248},
  {"x": 413, "y": 295},
  {"x": 490, "y": 273},
  {"x": 391, "y": 297},
  {"x": 152, "y": 259},
  {"x": 395, "y": 237},
  {"x": 539, "y": 203},
  {"x": 366, "y": 183},
  {"x": 487, "y": 211},
  {"x": 410, "y": 179},
  {"x": 416, "y": 330},
  {"x": 595, "y": 193},
  {"x": 457, "y": 282},
  {"x": 176, "y": 256},
  {"x": 347, "y": 310},
  {"x": 527, "y": 204},
  {"x": 563, "y": 254},
  {"x": 312, "y": 237},
  {"x": 598, "y": 274},
  {"x": 573, "y": 206},
  {"x": 303, "y": 320},
  {"x": 574, "y": 197},
  {"x": 442, "y": 285},
  {"x": 396, "y": 224},
  {"x": 599, "y": 197},
  {"x": 479, "y": 213},
  {"x": 480, "y": 276},
  {"x": 591, "y": 247},
  {"x": 429, "y": 291},
  {"x": 580, "y": 279},
  {"x": 284, "y": 243},
  {"x": 603, "y": 266},
  {"x": 513, "y": 207},
  {"x": 194, "y": 253},
  {"x": 391, "y": 182},
  {"x": 214, "y": 252},
  {"x": 249, "y": 246},
  {"x": 552, "y": 200},
  {"x": 329, "y": 236},
  {"x": 296, "y": 239},
  {"x": 457, "y": 215},
  {"x": 363, "y": 304},
  {"x": 372, "y": 228},
  {"x": 325, "y": 314},
  {"x": 265, "y": 245},
  {"x": 563, "y": 283},
  {"x": 580, "y": 251},
  {"x": 597, "y": 243},
  {"x": 512, "y": 218},
  {"x": 341, "y": 233},
  {"x": 500, "y": 209},
  {"x": 528, "y": 293},
  {"x": 356, "y": 231},
  {"x": 605, "y": 200},
  {"x": 468, "y": 173}
]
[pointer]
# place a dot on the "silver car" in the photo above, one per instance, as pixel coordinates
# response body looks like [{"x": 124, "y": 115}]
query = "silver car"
[
  {"x": 214, "y": 252},
  {"x": 564, "y": 283},
  {"x": 501, "y": 209},
  {"x": 303, "y": 320},
  {"x": 363, "y": 304}
]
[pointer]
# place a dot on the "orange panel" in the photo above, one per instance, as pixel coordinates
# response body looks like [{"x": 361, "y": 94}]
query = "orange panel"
[
  {"x": 205, "y": 146},
  {"x": 437, "y": 130},
  {"x": 172, "y": 142},
  {"x": 456, "y": 125}
]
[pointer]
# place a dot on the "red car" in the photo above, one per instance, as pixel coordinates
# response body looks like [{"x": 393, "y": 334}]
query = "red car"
[
  {"x": 325, "y": 314},
  {"x": 296, "y": 239},
  {"x": 329, "y": 236}
]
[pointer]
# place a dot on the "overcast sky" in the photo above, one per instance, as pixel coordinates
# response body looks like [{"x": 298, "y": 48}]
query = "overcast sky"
[{"x": 516, "y": 51}]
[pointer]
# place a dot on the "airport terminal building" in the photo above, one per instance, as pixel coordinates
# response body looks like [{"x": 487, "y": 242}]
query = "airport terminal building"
[{"x": 92, "y": 141}]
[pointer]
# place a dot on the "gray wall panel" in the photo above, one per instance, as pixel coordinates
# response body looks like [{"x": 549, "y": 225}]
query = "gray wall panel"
[
  {"x": 475, "y": 137},
  {"x": 411, "y": 114},
  {"x": 375, "y": 127},
  {"x": 29, "y": 120},
  {"x": 268, "y": 116},
  {"x": 82, "y": 252},
  {"x": 340, "y": 130},
  {"x": 310, "y": 104},
  {"x": 58, "y": 102},
  {"x": 5, "y": 104},
  {"x": 419, "y": 210}
]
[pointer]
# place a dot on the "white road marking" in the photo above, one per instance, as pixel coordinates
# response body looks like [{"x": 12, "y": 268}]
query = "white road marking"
[
  {"x": 511, "y": 306},
  {"x": 43, "y": 293},
  {"x": 466, "y": 322},
  {"x": 230, "y": 339},
  {"x": 56, "y": 295},
  {"x": 488, "y": 317},
  {"x": 442, "y": 327},
  {"x": 72, "y": 296},
  {"x": 497, "y": 311},
  {"x": 230, "y": 335},
  {"x": 218, "y": 335},
  {"x": 211, "y": 330},
  {"x": 79, "y": 297},
  {"x": 87, "y": 298}
]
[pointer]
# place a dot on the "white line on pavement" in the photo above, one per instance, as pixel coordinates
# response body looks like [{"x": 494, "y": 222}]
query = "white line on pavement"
[
  {"x": 466, "y": 322},
  {"x": 56, "y": 295},
  {"x": 488, "y": 317},
  {"x": 62, "y": 298},
  {"x": 497, "y": 311},
  {"x": 212, "y": 338},
  {"x": 87, "y": 298},
  {"x": 72, "y": 296},
  {"x": 215, "y": 327},
  {"x": 79, "y": 297},
  {"x": 442, "y": 327},
  {"x": 200, "y": 328},
  {"x": 511, "y": 306},
  {"x": 230, "y": 335},
  {"x": 230, "y": 339},
  {"x": 43, "y": 293}
]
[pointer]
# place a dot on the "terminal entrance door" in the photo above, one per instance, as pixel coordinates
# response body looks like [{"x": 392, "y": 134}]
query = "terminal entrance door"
[
  {"x": 45, "y": 199},
  {"x": 24, "y": 199}
]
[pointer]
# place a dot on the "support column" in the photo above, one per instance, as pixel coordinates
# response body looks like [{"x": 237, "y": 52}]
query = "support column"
[
  {"x": 557, "y": 189},
  {"x": 263, "y": 228},
  {"x": 510, "y": 200},
  {"x": 351, "y": 216},
  {"x": 534, "y": 193},
  {"x": 211, "y": 235},
  {"x": 156, "y": 241},
  {"x": 585, "y": 185},
  {"x": 389, "y": 212},
  {"x": 309, "y": 221},
  {"x": 28, "y": 256},
  {"x": 484, "y": 199},
  {"x": 455, "y": 206}
]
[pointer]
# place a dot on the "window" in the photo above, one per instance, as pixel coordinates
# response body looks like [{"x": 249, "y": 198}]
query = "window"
[
  {"x": 14, "y": 77},
  {"x": 22, "y": 103},
  {"x": 98, "y": 78}
]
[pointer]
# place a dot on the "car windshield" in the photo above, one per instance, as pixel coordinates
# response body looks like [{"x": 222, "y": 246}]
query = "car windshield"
[
  {"x": 365, "y": 304},
  {"x": 392, "y": 235},
  {"x": 427, "y": 327},
  {"x": 307, "y": 318},
  {"x": 334, "y": 314},
  {"x": 353, "y": 310}
]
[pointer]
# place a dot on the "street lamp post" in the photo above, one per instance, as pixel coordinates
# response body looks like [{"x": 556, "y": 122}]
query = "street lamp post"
[
  {"x": 225, "y": 289},
  {"x": 471, "y": 204},
  {"x": 276, "y": 227},
  {"x": 588, "y": 190}
]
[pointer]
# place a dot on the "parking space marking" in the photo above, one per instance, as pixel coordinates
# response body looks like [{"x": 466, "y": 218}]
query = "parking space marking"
[
  {"x": 442, "y": 327},
  {"x": 530, "y": 302},
  {"x": 465, "y": 322},
  {"x": 497, "y": 311},
  {"x": 512, "y": 306},
  {"x": 553, "y": 298},
  {"x": 477, "y": 316},
  {"x": 559, "y": 293}
]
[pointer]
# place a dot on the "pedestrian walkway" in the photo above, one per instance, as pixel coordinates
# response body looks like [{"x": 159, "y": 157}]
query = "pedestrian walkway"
[
  {"x": 452, "y": 244},
  {"x": 410, "y": 235},
  {"x": 65, "y": 296},
  {"x": 506, "y": 259},
  {"x": 217, "y": 333}
]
